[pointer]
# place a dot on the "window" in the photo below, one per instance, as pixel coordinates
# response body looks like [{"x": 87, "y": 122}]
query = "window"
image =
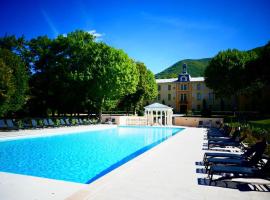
[
  {"x": 169, "y": 97},
  {"x": 158, "y": 97},
  {"x": 199, "y": 97},
  {"x": 183, "y": 97},
  {"x": 198, "y": 107},
  {"x": 159, "y": 87},
  {"x": 184, "y": 87},
  {"x": 211, "y": 96},
  {"x": 198, "y": 86},
  {"x": 183, "y": 78},
  {"x": 169, "y": 87}
]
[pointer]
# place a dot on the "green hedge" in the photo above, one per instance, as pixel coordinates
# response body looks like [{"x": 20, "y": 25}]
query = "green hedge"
[{"x": 253, "y": 133}]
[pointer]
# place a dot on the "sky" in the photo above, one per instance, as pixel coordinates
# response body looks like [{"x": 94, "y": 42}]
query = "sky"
[{"x": 156, "y": 32}]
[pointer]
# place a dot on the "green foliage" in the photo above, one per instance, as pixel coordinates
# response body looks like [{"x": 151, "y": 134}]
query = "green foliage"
[
  {"x": 57, "y": 122},
  {"x": 20, "y": 123},
  {"x": 196, "y": 68},
  {"x": 226, "y": 72},
  {"x": 13, "y": 82},
  {"x": 146, "y": 89},
  {"x": 115, "y": 75},
  {"x": 40, "y": 122},
  {"x": 264, "y": 124},
  {"x": 253, "y": 133}
]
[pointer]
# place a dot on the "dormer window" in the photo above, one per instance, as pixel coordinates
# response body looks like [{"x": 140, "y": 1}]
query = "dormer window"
[{"x": 184, "y": 78}]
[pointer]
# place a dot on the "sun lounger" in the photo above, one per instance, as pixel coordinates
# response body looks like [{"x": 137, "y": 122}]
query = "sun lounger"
[
  {"x": 250, "y": 158},
  {"x": 3, "y": 125},
  {"x": 236, "y": 134},
  {"x": 46, "y": 123},
  {"x": 35, "y": 124},
  {"x": 258, "y": 147},
  {"x": 27, "y": 124},
  {"x": 11, "y": 125},
  {"x": 67, "y": 122},
  {"x": 222, "y": 155},
  {"x": 62, "y": 122},
  {"x": 239, "y": 172},
  {"x": 51, "y": 123},
  {"x": 220, "y": 133},
  {"x": 81, "y": 121},
  {"x": 236, "y": 143}
]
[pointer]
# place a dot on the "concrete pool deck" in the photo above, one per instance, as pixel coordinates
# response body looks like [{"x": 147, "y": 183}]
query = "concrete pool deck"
[{"x": 167, "y": 171}]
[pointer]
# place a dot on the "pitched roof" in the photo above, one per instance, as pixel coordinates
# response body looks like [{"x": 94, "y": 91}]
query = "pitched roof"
[
  {"x": 168, "y": 80},
  {"x": 194, "y": 79},
  {"x": 171, "y": 80},
  {"x": 157, "y": 106}
]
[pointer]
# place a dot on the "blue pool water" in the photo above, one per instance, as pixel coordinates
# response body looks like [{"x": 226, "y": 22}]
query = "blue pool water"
[{"x": 80, "y": 157}]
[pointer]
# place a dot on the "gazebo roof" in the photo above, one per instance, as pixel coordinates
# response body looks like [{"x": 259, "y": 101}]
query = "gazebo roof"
[{"x": 158, "y": 106}]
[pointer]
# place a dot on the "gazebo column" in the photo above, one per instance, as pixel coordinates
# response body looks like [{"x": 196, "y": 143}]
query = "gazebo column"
[
  {"x": 155, "y": 121},
  {"x": 147, "y": 117},
  {"x": 151, "y": 117},
  {"x": 161, "y": 117},
  {"x": 165, "y": 118}
]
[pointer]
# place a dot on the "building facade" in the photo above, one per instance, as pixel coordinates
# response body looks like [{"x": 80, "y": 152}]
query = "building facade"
[{"x": 186, "y": 93}]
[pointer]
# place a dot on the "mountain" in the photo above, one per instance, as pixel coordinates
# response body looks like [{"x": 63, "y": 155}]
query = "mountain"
[{"x": 195, "y": 68}]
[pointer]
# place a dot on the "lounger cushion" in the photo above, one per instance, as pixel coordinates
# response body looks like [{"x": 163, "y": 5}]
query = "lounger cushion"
[
  {"x": 213, "y": 154},
  {"x": 226, "y": 161},
  {"x": 233, "y": 169}
]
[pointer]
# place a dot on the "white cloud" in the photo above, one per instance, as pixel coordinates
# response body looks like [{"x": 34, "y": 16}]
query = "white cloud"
[{"x": 94, "y": 33}]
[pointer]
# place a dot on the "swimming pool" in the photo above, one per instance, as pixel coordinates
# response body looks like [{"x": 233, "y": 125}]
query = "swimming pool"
[{"x": 80, "y": 157}]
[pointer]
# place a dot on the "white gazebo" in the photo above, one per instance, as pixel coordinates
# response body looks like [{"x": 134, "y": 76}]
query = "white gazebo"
[{"x": 158, "y": 114}]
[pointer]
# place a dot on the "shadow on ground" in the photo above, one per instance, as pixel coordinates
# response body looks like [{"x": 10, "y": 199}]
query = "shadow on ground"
[
  {"x": 199, "y": 163},
  {"x": 241, "y": 186},
  {"x": 201, "y": 171}
]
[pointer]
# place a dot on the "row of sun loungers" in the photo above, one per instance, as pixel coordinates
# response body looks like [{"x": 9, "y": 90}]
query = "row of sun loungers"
[
  {"x": 10, "y": 124},
  {"x": 246, "y": 162}
]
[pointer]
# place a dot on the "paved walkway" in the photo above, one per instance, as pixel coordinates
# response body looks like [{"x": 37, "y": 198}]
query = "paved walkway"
[{"x": 167, "y": 172}]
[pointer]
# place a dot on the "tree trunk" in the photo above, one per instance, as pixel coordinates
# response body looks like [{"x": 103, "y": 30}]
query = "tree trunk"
[{"x": 100, "y": 110}]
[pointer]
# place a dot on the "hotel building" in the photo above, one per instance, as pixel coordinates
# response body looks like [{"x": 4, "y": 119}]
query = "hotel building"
[{"x": 186, "y": 93}]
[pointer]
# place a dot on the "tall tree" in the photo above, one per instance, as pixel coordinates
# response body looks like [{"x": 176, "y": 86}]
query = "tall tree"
[
  {"x": 225, "y": 73},
  {"x": 258, "y": 80},
  {"x": 55, "y": 61},
  {"x": 114, "y": 75},
  {"x": 145, "y": 90},
  {"x": 13, "y": 82}
]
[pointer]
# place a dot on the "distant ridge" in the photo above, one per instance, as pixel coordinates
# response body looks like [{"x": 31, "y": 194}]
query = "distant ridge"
[{"x": 195, "y": 68}]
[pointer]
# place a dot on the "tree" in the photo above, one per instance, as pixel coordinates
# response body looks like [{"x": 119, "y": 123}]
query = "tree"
[
  {"x": 13, "y": 82},
  {"x": 145, "y": 90},
  {"x": 258, "y": 80},
  {"x": 225, "y": 73},
  {"x": 114, "y": 75},
  {"x": 56, "y": 63}
]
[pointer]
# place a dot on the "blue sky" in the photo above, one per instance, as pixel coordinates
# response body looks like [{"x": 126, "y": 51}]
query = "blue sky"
[{"x": 158, "y": 33}]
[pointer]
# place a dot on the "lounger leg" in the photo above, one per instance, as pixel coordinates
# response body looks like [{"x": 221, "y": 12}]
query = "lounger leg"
[{"x": 211, "y": 177}]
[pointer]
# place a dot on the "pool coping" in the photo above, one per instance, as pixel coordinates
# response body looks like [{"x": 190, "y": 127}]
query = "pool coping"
[{"x": 47, "y": 132}]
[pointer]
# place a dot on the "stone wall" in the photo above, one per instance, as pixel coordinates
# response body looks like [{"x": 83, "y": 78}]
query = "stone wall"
[{"x": 196, "y": 121}]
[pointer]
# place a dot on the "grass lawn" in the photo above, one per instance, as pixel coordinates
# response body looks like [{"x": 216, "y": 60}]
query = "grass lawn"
[{"x": 265, "y": 123}]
